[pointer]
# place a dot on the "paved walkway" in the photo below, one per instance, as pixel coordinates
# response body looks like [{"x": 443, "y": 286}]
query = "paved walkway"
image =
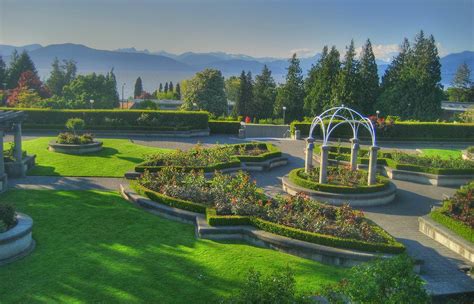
[{"x": 441, "y": 266}]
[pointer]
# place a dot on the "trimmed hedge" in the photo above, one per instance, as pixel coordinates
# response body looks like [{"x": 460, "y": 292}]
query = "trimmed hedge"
[
  {"x": 296, "y": 178},
  {"x": 224, "y": 127},
  {"x": 273, "y": 152},
  {"x": 457, "y": 227},
  {"x": 228, "y": 220},
  {"x": 401, "y": 131},
  {"x": 171, "y": 201},
  {"x": 118, "y": 119}
]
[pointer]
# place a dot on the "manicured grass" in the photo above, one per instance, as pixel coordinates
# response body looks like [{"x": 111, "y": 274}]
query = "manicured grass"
[
  {"x": 117, "y": 157},
  {"x": 443, "y": 153},
  {"x": 96, "y": 247}
]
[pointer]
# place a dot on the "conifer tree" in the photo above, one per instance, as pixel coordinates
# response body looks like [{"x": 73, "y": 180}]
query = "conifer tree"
[
  {"x": 178, "y": 91},
  {"x": 166, "y": 87},
  {"x": 3, "y": 73},
  {"x": 462, "y": 87},
  {"x": 170, "y": 87},
  {"x": 264, "y": 92},
  {"x": 19, "y": 64},
  {"x": 369, "y": 80},
  {"x": 291, "y": 94},
  {"x": 348, "y": 83},
  {"x": 243, "y": 96},
  {"x": 312, "y": 102},
  {"x": 61, "y": 75},
  {"x": 138, "y": 87},
  {"x": 160, "y": 89}
]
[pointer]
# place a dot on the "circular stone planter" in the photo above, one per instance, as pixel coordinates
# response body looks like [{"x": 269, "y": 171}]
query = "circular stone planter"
[
  {"x": 17, "y": 242},
  {"x": 353, "y": 199},
  {"x": 95, "y": 146}
]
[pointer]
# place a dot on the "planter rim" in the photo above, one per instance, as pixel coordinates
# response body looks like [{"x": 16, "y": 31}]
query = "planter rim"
[
  {"x": 23, "y": 226},
  {"x": 92, "y": 144}
]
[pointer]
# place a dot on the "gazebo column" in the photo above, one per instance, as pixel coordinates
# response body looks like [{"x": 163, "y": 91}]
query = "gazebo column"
[
  {"x": 323, "y": 166},
  {"x": 18, "y": 152},
  {"x": 354, "y": 153},
  {"x": 3, "y": 176},
  {"x": 308, "y": 164},
  {"x": 373, "y": 165}
]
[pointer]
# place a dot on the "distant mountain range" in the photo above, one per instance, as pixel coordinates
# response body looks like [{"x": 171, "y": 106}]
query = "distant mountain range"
[{"x": 155, "y": 67}]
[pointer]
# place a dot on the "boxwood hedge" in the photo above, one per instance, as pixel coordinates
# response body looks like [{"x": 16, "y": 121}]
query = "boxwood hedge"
[
  {"x": 401, "y": 131},
  {"x": 295, "y": 176},
  {"x": 118, "y": 119},
  {"x": 457, "y": 227},
  {"x": 224, "y": 127}
]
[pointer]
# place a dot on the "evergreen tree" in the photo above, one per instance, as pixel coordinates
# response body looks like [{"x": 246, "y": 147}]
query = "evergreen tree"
[
  {"x": 206, "y": 89},
  {"x": 264, "y": 92},
  {"x": 348, "y": 83},
  {"x": 291, "y": 94},
  {"x": 19, "y": 64},
  {"x": 369, "y": 80},
  {"x": 178, "y": 91},
  {"x": 110, "y": 88},
  {"x": 138, "y": 87},
  {"x": 3, "y": 73},
  {"x": 170, "y": 87},
  {"x": 166, "y": 87},
  {"x": 462, "y": 87},
  {"x": 244, "y": 95},
  {"x": 160, "y": 89},
  {"x": 61, "y": 75},
  {"x": 313, "y": 102}
]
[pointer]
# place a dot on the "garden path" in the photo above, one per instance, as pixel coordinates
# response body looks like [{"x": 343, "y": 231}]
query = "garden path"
[{"x": 441, "y": 266}]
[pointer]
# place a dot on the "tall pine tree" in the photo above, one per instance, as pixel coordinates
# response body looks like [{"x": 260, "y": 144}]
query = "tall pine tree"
[
  {"x": 264, "y": 94},
  {"x": 138, "y": 87},
  {"x": 166, "y": 88},
  {"x": 3, "y": 73},
  {"x": 19, "y": 64},
  {"x": 170, "y": 87},
  {"x": 178, "y": 91},
  {"x": 369, "y": 80},
  {"x": 244, "y": 95},
  {"x": 160, "y": 89},
  {"x": 291, "y": 94},
  {"x": 60, "y": 75},
  {"x": 313, "y": 102},
  {"x": 348, "y": 84}
]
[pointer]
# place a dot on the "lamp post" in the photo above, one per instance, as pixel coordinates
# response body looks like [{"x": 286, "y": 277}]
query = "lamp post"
[
  {"x": 377, "y": 112},
  {"x": 284, "y": 110},
  {"x": 91, "y": 102},
  {"x": 123, "y": 100}
]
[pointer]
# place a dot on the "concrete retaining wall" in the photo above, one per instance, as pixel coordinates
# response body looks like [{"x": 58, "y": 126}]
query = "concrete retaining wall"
[
  {"x": 446, "y": 237},
  {"x": 95, "y": 146},
  {"x": 262, "y": 131}
]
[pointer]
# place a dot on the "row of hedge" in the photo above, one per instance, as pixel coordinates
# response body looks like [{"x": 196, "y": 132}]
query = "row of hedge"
[
  {"x": 224, "y": 127},
  {"x": 400, "y": 131},
  {"x": 273, "y": 152},
  {"x": 113, "y": 119},
  {"x": 457, "y": 227},
  {"x": 295, "y": 177},
  {"x": 386, "y": 160},
  {"x": 392, "y": 246}
]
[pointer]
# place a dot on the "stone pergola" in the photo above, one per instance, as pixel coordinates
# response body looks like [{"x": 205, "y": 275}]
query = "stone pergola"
[
  {"x": 11, "y": 121},
  {"x": 335, "y": 117}
]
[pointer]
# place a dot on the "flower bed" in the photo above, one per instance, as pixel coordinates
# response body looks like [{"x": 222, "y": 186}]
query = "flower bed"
[
  {"x": 236, "y": 200},
  {"x": 340, "y": 180},
  {"x": 210, "y": 159},
  {"x": 457, "y": 212}
]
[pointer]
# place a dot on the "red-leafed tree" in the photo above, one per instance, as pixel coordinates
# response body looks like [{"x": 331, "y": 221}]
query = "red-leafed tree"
[{"x": 29, "y": 89}]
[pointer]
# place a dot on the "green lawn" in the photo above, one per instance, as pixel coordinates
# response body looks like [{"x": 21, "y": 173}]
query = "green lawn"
[
  {"x": 117, "y": 157},
  {"x": 443, "y": 153},
  {"x": 96, "y": 247}
]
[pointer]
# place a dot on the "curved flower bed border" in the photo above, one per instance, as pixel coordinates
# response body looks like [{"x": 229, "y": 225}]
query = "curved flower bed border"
[
  {"x": 236, "y": 162},
  {"x": 17, "y": 242},
  {"x": 95, "y": 146},
  {"x": 392, "y": 247}
]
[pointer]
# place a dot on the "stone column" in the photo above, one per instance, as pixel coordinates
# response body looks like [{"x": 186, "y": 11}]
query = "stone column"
[
  {"x": 308, "y": 162},
  {"x": 3, "y": 176},
  {"x": 373, "y": 165},
  {"x": 354, "y": 152},
  {"x": 323, "y": 166},
  {"x": 18, "y": 153}
]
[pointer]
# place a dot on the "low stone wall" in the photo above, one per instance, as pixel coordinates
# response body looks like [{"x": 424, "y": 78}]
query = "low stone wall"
[
  {"x": 95, "y": 146},
  {"x": 427, "y": 178},
  {"x": 266, "y": 131},
  {"x": 19, "y": 169},
  {"x": 446, "y": 237},
  {"x": 353, "y": 199},
  {"x": 17, "y": 242},
  {"x": 315, "y": 252}
]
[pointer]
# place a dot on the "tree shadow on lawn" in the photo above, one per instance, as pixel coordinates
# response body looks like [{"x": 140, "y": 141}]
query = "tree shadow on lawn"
[
  {"x": 93, "y": 248},
  {"x": 135, "y": 160}
]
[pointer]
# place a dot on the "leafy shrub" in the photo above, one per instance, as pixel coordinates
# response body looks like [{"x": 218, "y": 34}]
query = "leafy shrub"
[
  {"x": 7, "y": 217},
  {"x": 224, "y": 127},
  {"x": 67, "y": 138},
  {"x": 279, "y": 287},
  {"x": 389, "y": 281},
  {"x": 75, "y": 124},
  {"x": 431, "y": 161},
  {"x": 470, "y": 149}
]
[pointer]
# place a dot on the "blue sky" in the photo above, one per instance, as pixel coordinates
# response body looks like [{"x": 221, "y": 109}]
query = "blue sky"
[{"x": 257, "y": 28}]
